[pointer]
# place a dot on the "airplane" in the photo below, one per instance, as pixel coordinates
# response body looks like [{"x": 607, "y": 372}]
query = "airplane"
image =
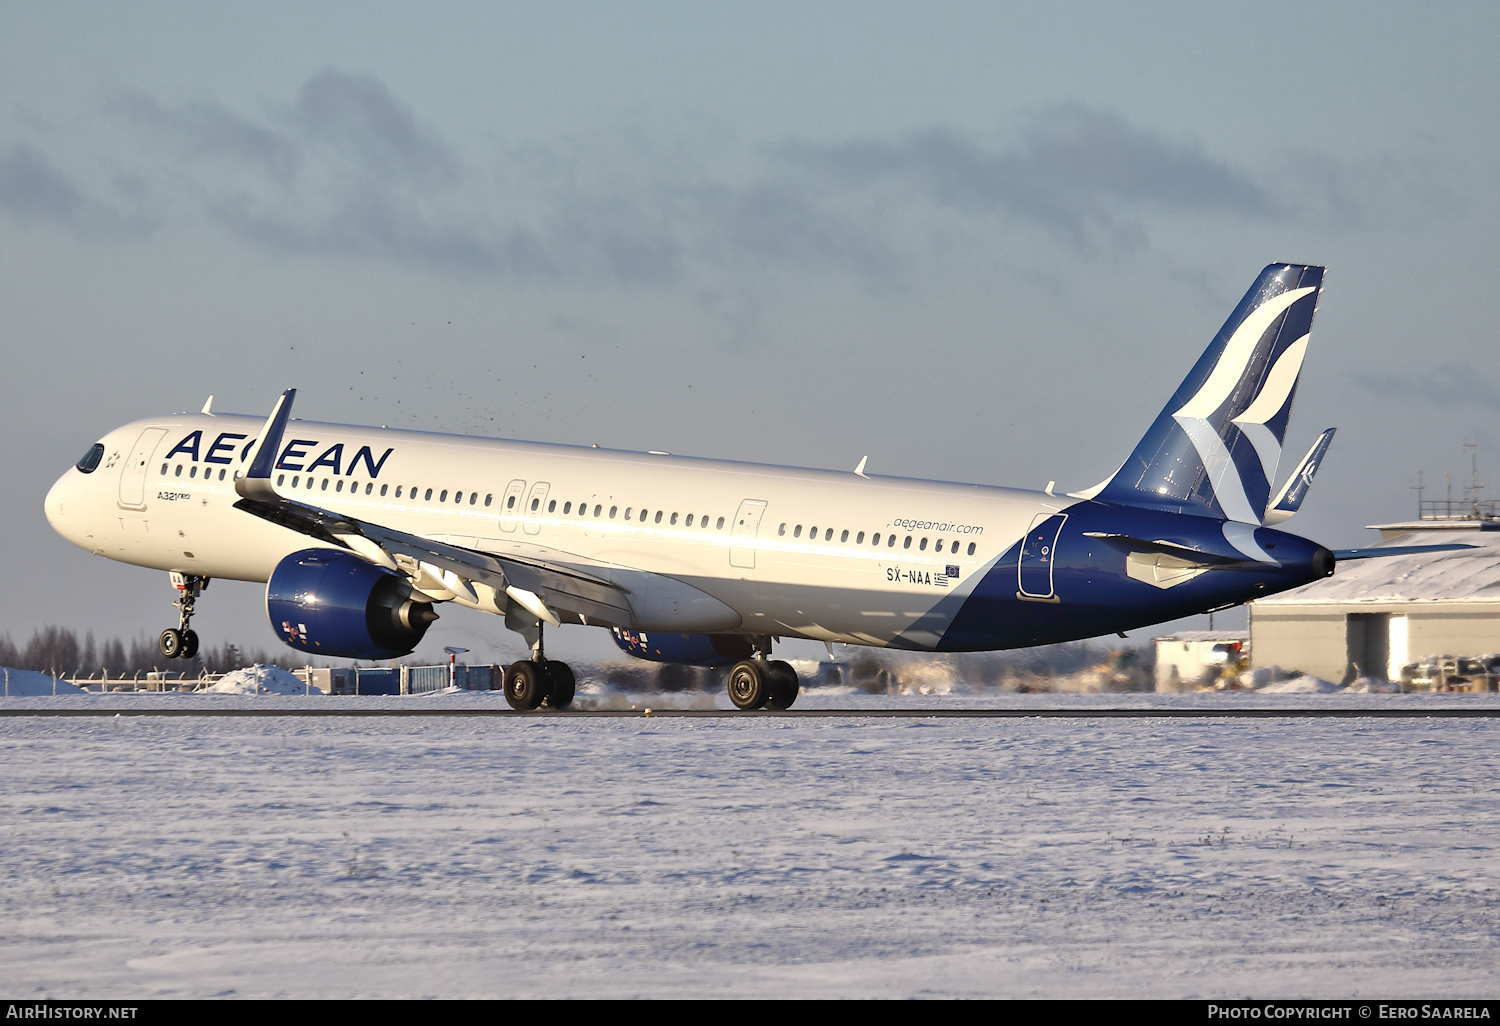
[{"x": 359, "y": 532}]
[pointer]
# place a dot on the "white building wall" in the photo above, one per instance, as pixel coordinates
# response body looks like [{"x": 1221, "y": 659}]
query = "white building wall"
[{"x": 1313, "y": 640}]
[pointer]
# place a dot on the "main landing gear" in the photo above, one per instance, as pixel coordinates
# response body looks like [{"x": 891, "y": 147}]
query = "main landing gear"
[
  {"x": 530, "y": 683},
  {"x": 181, "y": 642},
  {"x": 759, "y": 681}
]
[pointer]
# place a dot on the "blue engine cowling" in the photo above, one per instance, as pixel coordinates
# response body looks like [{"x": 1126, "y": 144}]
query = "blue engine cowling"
[
  {"x": 691, "y": 649},
  {"x": 331, "y": 603}
]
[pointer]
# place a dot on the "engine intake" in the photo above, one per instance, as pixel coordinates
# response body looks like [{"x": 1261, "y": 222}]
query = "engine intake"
[{"x": 332, "y": 603}]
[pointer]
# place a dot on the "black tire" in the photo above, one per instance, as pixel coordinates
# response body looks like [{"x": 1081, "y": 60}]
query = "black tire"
[
  {"x": 170, "y": 643},
  {"x": 749, "y": 684},
  {"x": 525, "y": 685},
  {"x": 563, "y": 685},
  {"x": 784, "y": 684},
  {"x": 189, "y": 644}
]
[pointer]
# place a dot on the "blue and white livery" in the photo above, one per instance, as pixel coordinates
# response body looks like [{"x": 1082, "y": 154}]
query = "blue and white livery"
[{"x": 359, "y": 533}]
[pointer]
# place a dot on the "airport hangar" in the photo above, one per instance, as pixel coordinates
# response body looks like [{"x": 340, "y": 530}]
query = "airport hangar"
[{"x": 1376, "y": 615}]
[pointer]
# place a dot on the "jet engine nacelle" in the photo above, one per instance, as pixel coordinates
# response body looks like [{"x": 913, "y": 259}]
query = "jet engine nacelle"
[
  {"x": 691, "y": 649},
  {"x": 332, "y": 603}
]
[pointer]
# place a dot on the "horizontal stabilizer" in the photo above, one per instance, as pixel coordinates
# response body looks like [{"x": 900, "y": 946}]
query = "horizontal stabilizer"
[
  {"x": 1289, "y": 500},
  {"x": 1396, "y": 550}
]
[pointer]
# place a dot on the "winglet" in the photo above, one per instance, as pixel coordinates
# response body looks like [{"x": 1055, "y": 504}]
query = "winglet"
[
  {"x": 860, "y": 470},
  {"x": 208, "y": 407},
  {"x": 256, "y": 482},
  {"x": 1289, "y": 500}
]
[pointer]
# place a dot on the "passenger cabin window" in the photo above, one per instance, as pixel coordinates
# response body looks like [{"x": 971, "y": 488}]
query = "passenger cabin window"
[
  {"x": 442, "y": 496},
  {"x": 194, "y": 471},
  {"x": 280, "y": 480},
  {"x": 383, "y": 490},
  {"x": 890, "y": 542},
  {"x": 534, "y": 504},
  {"x": 844, "y": 536},
  {"x": 428, "y": 496},
  {"x": 658, "y": 517},
  {"x": 828, "y": 535},
  {"x": 325, "y": 484},
  {"x": 971, "y": 548},
  {"x": 781, "y": 531},
  {"x": 690, "y": 520},
  {"x": 612, "y": 510},
  {"x": 510, "y": 502},
  {"x": 567, "y": 508},
  {"x": 473, "y": 498},
  {"x": 597, "y": 508},
  {"x": 721, "y": 523},
  {"x": 906, "y": 544},
  {"x": 923, "y": 546},
  {"x": 489, "y": 498},
  {"x": 179, "y": 470},
  {"x": 341, "y": 485},
  {"x": 859, "y": 539},
  {"x": 674, "y": 518},
  {"x": 797, "y": 531},
  {"x": 552, "y": 506}
]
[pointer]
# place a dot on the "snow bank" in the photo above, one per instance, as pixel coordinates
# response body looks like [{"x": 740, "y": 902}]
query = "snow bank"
[
  {"x": 18, "y": 683},
  {"x": 260, "y": 680},
  {"x": 1304, "y": 685}
]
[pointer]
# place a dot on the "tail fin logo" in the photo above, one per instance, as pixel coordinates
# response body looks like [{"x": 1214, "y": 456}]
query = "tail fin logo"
[
  {"x": 1197, "y": 416},
  {"x": 1214, "y": 450}
]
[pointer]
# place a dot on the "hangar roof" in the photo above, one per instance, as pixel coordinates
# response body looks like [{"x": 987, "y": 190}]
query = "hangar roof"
[{"x": 1465, "y": 575}]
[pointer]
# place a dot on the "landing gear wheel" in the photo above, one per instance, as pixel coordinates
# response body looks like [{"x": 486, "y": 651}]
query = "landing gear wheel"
[
  {"x": 784, "y": 684},
  {"x": 563, "y": 685},
  {"x": 170, "y": 643},
  {"x": 749, "y": 684},
  {"x": 189, "y": 644},
  {"x": 525, "y": 685}
]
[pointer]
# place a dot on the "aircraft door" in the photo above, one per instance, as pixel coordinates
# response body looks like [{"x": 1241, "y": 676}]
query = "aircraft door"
[
  {"x": 742, "y": 533},
  {"x": 1038, "y": 555},
  {"x": 536, "y": 508},
  {"x": 133, "y": 476},
  {"x": 510, "y": 505}
]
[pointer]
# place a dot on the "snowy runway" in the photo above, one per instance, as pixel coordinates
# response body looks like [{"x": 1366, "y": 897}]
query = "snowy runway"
[{"x": 553, "y": 856}]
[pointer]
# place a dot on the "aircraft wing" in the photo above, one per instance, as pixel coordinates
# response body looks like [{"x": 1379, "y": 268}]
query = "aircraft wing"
[{"x": 436, "y": 568}]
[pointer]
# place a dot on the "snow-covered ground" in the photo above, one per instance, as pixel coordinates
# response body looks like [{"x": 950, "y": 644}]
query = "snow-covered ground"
[{"x": 749, "y": 856}]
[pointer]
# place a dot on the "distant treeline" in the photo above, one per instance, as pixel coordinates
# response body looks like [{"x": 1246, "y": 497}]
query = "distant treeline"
[{"x": 58, "y": 650}]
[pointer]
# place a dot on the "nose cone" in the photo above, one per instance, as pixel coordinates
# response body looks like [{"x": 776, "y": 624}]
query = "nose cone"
[{"x": 62, "y": 510}]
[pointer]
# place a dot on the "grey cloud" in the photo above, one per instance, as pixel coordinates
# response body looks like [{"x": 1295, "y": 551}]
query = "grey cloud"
[
  {"x": 369, "y": 226},
  {"x": 359, "y": 113},
  {"x": 208, "y": 129},
  {"x": 344, "y": 168},
  {"x": 1445, "y": 384},
  {"x": 33, "y": 189},
  {"x": 1072, "y": 171}
]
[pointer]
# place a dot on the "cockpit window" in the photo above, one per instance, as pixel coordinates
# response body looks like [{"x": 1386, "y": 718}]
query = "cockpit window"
[{"x": 91, "y": 459}]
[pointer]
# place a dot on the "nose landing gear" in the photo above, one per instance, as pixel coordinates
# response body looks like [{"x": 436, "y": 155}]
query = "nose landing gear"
[{"x": 181, "y": 642}]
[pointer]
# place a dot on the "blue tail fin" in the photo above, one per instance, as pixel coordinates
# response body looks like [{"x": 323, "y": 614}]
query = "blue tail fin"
[{"x": 1214, "y": 449}]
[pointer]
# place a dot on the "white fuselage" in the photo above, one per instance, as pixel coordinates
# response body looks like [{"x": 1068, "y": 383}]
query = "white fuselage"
[{"x": 710, "y": 545}]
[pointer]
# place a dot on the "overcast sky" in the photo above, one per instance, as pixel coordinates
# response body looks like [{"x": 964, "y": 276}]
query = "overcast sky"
[{"x": 977, "y": 242}]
